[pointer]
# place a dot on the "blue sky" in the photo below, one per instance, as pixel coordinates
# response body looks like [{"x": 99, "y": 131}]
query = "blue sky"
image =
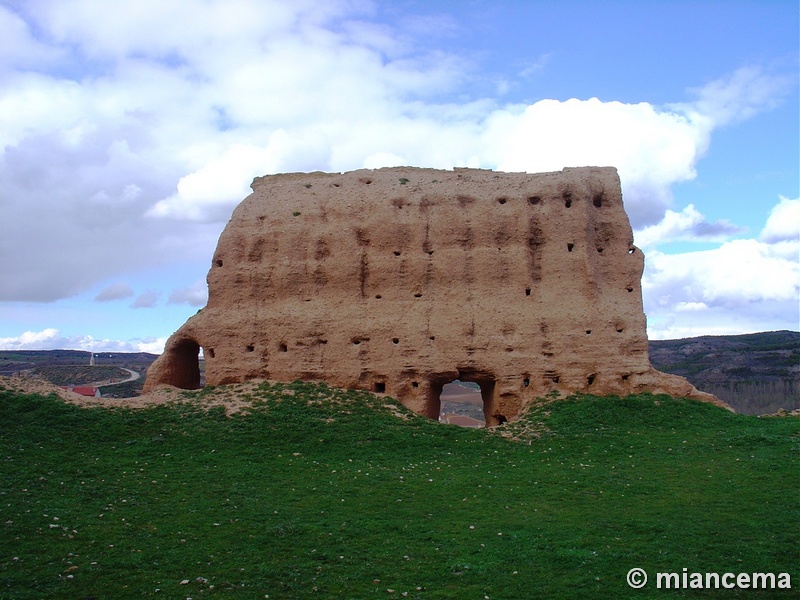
[{"x": 130, "y": 130}]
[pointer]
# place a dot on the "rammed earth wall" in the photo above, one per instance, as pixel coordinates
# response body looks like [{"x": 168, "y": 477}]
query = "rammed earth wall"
[{"x": 400, "y": 280}]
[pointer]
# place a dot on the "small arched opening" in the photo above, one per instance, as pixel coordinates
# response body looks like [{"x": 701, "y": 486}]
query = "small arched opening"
[
  {"x": 184, "y": 365},
  {"x": 466, "y": 400}
]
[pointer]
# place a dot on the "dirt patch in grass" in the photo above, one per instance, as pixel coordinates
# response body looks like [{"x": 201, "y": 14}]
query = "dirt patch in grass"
[
  {"x": 232, "y": 398},
  {"x": 235, "y": 399}
]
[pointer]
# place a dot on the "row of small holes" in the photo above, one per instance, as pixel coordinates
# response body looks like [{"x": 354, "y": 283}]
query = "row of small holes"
[
  {"x": 570, "y": 247},
  {"x": 618, "y": 328},
  {"x": 590, "y": 379},
  {"x": 597, "y": 201},
  {"x": 534, "y": 200},
  {"x": 381, "y": 387},
  {"x": 356, "y": 341},
  {"x": 284, "y": 348}
]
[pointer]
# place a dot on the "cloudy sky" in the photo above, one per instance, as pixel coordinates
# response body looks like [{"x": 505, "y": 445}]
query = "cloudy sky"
[{"x": 129, "y": 130}]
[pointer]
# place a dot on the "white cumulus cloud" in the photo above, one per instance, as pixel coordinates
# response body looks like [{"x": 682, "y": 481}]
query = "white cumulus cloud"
[
  {"x": 147, "y": 299},
  {"x": 652, "y": 149},
  {"x": 742, "y": 286},
  {"x": 129, "y": 130},
  {"x": 783, "y": 223},
  {"x": 115, "y": 291},
  {"x": 746, "y": 92},
  {"x": 194, "y": 295},
  {"x": 688, "y": 224},
  {"x": 52, "y": 339}
]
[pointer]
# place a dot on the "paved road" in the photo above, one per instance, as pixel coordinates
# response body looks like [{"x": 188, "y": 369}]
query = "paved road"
[{"x": 133, "y": 377}]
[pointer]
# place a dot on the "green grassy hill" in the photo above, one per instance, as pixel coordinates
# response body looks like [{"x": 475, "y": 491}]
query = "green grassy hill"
[{"x": 319, "y": 493}]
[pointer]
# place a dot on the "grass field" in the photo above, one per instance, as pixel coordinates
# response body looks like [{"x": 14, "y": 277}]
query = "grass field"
[{"x": 319, "y": 493}]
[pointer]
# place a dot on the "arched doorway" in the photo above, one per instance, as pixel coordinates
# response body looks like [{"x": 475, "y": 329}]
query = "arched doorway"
[
  {"x": 470, "y": 395},
  {"x": 184, "y": 365}
]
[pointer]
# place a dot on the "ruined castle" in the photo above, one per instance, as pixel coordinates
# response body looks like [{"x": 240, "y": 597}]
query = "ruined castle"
[{"x": 400, "y": 280}]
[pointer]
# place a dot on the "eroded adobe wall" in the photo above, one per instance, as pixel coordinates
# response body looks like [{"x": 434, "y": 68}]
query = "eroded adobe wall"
[{"x": 399, "y": 280}]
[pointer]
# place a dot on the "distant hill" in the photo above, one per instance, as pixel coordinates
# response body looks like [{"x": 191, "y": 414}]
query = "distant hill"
[
  {"x": 63, "y": 367},
  {"x": 755, "y": 373},
  {"x": 12, "y": 361}
]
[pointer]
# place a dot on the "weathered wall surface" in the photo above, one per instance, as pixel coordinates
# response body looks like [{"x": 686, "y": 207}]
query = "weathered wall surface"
[{"x": 400, "y": 280}]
